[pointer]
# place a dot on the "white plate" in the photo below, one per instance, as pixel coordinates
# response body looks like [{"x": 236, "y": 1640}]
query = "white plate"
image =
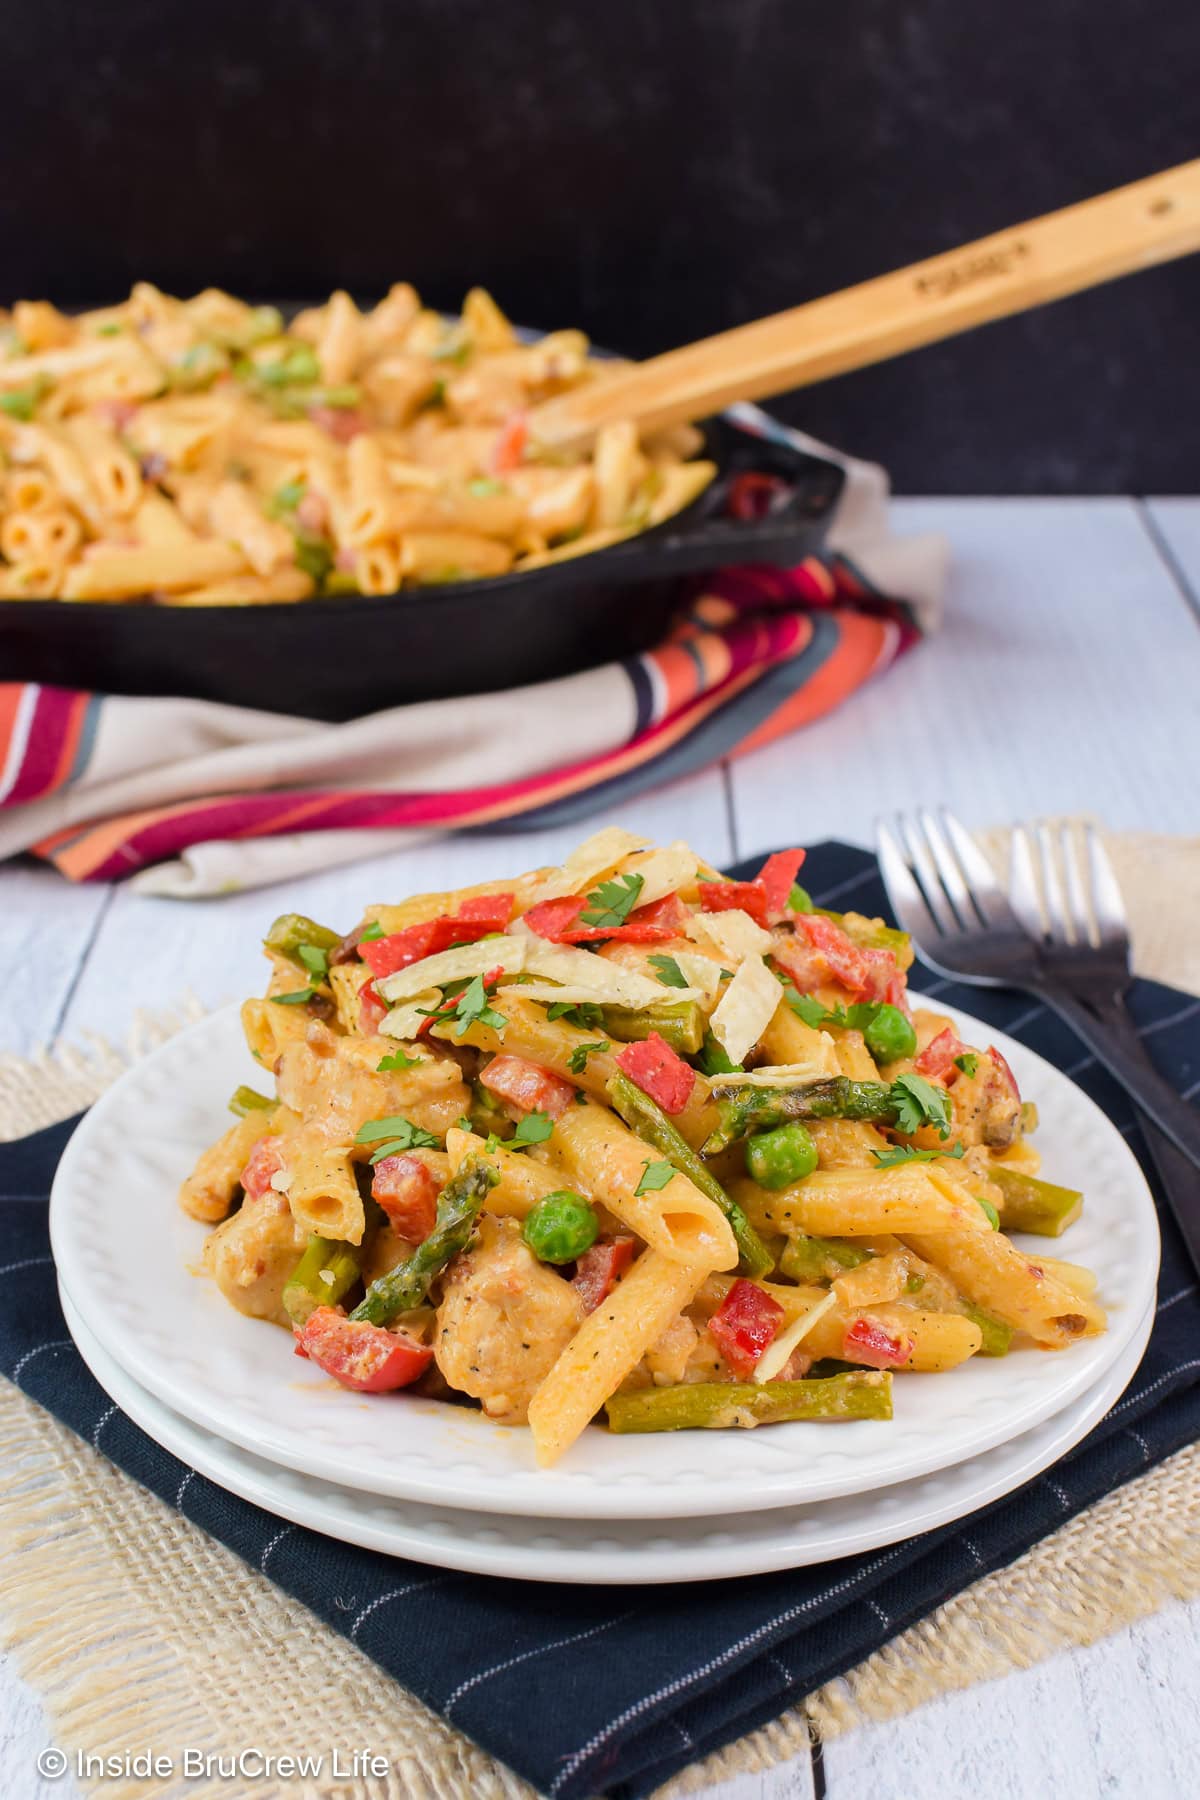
[
  {"x": 709, "y": 1549},
  {"x": 126, "y": 1253}
]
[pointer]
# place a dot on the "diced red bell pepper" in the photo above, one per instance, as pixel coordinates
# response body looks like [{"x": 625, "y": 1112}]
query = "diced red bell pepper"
[
  {"x": 527, "y": 1085},
  {"x": 867, "y": 1341},
  {"x": 744, "y": 1324},
  {"x": 936, "y": 1061},
  {"x": 777, "y": 875},
  {"x": 474, "y": 920},
  {"x": 844, "y": 960},
  {"x": 265, "y": 1160},
  {"x": 406, "y": 1189},
  {"x": 599, "y": 1269},
  {"x": 557, "y": 920},
  {"x": 364, "y": 1357},
  {"x": 341, "y": 422},
  {"x": 896, "y": 992},
  {"x": 728, "y": 896},
  {"x": 509, "y": 448},
  {"x": 372, "y": 1011},
  {"x": 659, "y": 1072},
  {"x": 881, "y": 976},
  {"x": 1002, "y": 1065}
]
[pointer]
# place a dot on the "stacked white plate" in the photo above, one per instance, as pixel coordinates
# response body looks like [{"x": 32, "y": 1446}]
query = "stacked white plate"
[{"x": 440, "y": 1484}]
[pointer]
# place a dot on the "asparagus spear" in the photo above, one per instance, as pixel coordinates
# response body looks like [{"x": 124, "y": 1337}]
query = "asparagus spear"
[
  {"x": 818, "y": 1258},
  {"x": 459, "y": 1205},
  {"x": 642, "y": 1115},
  {"x": 245, "y": 1100},
  {"x": 716, "y": 1405},
  {"x": 742, "y": 1109},
  {"x": 1036, "y": 1206},
  {"x": 290, "y": 930},
  {"x": 679, "y": 1023},
  {"x": 997, "y": 1336},
  {"x": 323, "y": 1276}
]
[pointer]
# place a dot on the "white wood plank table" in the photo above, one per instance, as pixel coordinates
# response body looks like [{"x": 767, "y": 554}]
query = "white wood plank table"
[{"x": 1065, "y": 679}]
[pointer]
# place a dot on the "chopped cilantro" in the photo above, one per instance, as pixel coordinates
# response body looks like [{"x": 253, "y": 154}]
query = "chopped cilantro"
[
  {"x": 918, "y": 1102},
  {"x": 534, "y": 1128},
  {"x": 400, "y": 1132},
  {"x": 21, "y": 403},
  {"x": 990, "y": 1213},
  {"x": 908, "y": 1153},
  {"x": 398, "y": 1060},
  {"x": 463, "y": 1123},
  {"x": 577, "y": 1061},
  {"x": 473, "y": 1009},
  {"x": 285, "y": 499},
  {"x": 807, "y": 1007},
  {"x": 669, "y": 971},
  {"x": 374, "y": 930},
  {"x": 112, "y": 329},
  {"x": 612, "y": 902},
  {"x": 315, "y": 960},
  {"x": 967, "y": 1063},
  {"x": 584, "y": 1013},
  {"x": 300, "y": 998},
  {"x": 655, "y": 1175}
]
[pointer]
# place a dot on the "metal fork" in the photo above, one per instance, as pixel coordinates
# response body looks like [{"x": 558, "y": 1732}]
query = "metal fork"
[{"x": 947, "y": 897}]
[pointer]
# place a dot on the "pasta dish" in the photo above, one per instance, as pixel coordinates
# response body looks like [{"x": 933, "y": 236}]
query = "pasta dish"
[
  {"x": 201, "y": 452},
  {"x": 625, "y": 1141}
]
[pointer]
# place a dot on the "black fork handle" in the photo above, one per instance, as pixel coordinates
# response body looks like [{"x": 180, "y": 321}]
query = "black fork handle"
[{"x": 1111, "y": 1034}]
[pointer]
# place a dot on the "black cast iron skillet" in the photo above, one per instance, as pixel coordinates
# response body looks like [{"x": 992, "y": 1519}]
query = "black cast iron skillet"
[{"x": 343, "y": 658}]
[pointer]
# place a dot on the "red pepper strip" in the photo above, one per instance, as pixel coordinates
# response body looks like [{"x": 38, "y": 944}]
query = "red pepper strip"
[
  {"x": 557, "y": 921},
  {"x": 509, "y": 447},
  {"x": 728, "y": 896},
  {"x": 528, "y": 1086},
  {"x": 669, "y": 911},
  {"x": 474, "y": 920},
  {"x": 493, "y": 911},
  {"x": 845, "y": 961},
  {"x": 371, "y": 1009},
  {"x": 265, "y": 1160},
  {"x": 746, "y": 1321},
  {"x": 598, "y": 1269},
  {"x": 551, "y": 918},
  {"x": 406, "y": 1189},
  {"x": 360, "y": 1356},
  {"x": 936, "y": 1061},
  {"x": 629, "y": 933},
  {"x": 656, "y": 1069},
  {"x": 777, "y": 875},
  {"x": 866, "y": 1341},
  {"x": 1002, "y": 1064}
]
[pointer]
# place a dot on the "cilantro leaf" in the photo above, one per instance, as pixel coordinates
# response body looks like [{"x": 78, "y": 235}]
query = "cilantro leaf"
[
  {"x": 967, "y": 1063},
  {"x": 808, "y": 1008},
  {"x": 534, "y": 1128},
  {"x": 473, "y": 1009},
  {"x": 669, "y": 971},
  {"x": 908, "y": 1153},
  {"x": 655, "y": 1175},
  {"x": 463, "y": 1123},
  {"x": 315, "y": 960},
  {"x": 401, "y": 1133},
  {"x": 399, "y": 1059},
  {"x": 613, "y": 901},
  {"x": 374, "y": 930},
  {"x": 584, "y": 1013},
  {"x": 300, "y": 997},
  {"x": 993, "y": 1217},
  {"x": 918, "y": 1102},
  {"x": 577, "y": 1061}
]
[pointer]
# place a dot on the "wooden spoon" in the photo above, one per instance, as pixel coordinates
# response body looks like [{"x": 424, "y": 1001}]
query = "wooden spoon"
[{"x": 1132, "y": 227}]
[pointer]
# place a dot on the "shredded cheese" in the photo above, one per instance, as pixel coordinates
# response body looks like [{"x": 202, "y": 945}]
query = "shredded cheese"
[
  {"x": 507, "y": 953},
  {"x": 406, "y": 1021},
  {"x": 735, "y": 934},
  {"x": 663, "y": 872},
  {"x": 586, "y": 864},
  {"x": 746, "y": 1008},
  {"x": 779, "y": 1075},
  {"x": 776, "y": 1355}
]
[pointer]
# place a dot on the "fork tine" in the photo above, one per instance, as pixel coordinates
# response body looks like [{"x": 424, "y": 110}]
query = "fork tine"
[
  {"x": 1107, "y": 903},
  {"x": 926, "y": 873},
  {"x": 1056, "y": 912},
  {"x": 984, "y": 887},
  {"x": 1022, "y": 884},
  {"x": 1078, "y": 909},
  {"x": 903, "y": 891},
  {"x": 946, "y": 863}
]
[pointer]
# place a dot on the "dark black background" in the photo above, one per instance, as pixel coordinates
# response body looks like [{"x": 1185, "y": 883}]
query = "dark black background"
[{"x": 649, "y": 170}]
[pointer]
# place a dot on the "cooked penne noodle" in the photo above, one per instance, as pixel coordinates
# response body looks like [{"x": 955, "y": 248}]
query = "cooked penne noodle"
[
  {"x": 862, "y": 1202},
  {"x": 322, "y": 1191}
]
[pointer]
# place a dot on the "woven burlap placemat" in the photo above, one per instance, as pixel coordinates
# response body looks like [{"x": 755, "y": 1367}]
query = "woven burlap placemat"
[{"x": 137, "y": 1629}]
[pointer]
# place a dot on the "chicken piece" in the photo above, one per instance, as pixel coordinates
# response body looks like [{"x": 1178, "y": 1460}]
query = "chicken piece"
[
  {"x": 667, "y": 1360},
  {"x": 334, "y": 1083},
  {"x": 252, "y": 1255},
  {"x": 504, "y": 1320}
]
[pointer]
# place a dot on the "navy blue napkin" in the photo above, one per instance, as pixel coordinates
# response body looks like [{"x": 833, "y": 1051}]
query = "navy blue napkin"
[{"x": 583, "y": 1690}]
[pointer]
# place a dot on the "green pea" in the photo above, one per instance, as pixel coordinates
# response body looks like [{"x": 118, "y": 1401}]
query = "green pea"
[
  {"x": 777, "y": 1158},
  {"x": 560, "y": 1227},
  {"x": 890, "y": 1036}
]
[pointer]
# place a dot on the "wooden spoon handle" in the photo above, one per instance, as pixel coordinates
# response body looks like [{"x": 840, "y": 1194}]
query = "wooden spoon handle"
[{"x": 1133, "y": 227}]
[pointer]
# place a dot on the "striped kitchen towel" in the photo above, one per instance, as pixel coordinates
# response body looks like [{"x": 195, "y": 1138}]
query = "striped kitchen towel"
[{"x": 189, "y": 797}]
